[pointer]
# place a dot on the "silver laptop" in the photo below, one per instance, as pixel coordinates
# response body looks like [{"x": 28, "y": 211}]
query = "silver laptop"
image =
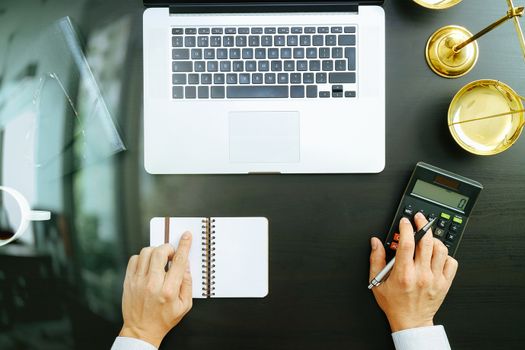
[{"x": 235, "y": 87}]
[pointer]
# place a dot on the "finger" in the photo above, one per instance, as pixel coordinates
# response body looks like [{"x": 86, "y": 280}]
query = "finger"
[
  {"x": 132, "y": 266},
  {"x": 425, "y": 245},
  {"x": 405, "y": 250},
  {"x": 144, "y": 259},
  {"x": 451, "y": 266},
  {"x": 420, "y": 220},
  {"x": 160, "y": 257},
  {"x": 439, "y": 257},
  {"x": 377, "y": 257},
  {"x": 178, "y": 265},
  {"x": 186, "y": 287}
]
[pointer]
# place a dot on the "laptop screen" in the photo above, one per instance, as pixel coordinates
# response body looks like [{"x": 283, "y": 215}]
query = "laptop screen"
[{"x": 168, "y": 2}]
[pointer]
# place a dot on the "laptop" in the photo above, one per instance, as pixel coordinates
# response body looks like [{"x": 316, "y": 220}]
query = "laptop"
[{"x": 239, "y": 87}]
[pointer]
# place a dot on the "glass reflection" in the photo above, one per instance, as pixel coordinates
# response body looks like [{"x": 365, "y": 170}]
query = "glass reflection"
[{"x": 61, "y": 146}]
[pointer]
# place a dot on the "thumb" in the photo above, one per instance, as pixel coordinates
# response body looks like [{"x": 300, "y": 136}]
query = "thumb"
[
  {"x": 186, "y": 286},
  {"x": 377, "y": 257}
]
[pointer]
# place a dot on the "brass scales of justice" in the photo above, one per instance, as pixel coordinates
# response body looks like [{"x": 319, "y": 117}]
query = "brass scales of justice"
[
  {"x": 452, "y": 51},
  {"x": 486, "y": 116}
]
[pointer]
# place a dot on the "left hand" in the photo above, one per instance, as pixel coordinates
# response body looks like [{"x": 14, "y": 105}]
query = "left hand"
[{"x": 155, "y": 301}]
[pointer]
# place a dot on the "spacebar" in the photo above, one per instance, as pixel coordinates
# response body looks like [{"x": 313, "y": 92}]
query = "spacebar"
[{"x": 257, "y": 91}]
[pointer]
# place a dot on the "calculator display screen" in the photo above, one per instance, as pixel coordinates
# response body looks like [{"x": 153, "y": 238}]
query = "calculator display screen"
[{"x": 440, "y": 195}]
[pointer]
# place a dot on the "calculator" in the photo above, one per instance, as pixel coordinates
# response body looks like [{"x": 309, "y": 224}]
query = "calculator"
[{"x": 440, "y": 194}]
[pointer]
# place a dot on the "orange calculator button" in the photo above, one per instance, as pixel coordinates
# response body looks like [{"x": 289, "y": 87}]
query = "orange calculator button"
[
  {"x": 396, "y": 236},
  {"x": 393, "y": 245}
]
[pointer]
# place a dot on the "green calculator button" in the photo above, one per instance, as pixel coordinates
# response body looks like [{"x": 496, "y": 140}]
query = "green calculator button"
[
  {"x": 458, "y": 220},
  {"x": 445, "y": 216}
]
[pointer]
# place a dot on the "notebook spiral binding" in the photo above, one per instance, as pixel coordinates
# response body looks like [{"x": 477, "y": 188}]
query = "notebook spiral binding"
[
  {"x": 211, "y": 268},
  {"x": 208, "y": 257},
  {"x": 205, "y": 253}
]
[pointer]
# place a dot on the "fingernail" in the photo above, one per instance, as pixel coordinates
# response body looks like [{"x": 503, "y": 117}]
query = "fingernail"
[
  {"x": 373, "y": 242},
  {"x": 186, "y": 235},
  {"x": 420, "y": 216},
  {"x": 405, "y": 221}
]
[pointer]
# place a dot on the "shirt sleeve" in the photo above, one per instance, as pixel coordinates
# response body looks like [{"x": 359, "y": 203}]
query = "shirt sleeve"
[
  {"x": 125, "y": 343},
  {"x": 428, "y": 338}
]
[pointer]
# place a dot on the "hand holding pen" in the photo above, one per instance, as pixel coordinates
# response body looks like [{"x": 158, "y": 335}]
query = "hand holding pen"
[
  {"x": 417, "y": 284},
  {"x": 383, "y": 274}
]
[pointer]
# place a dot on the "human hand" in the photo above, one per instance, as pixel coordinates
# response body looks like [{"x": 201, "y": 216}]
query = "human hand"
[
  {"x": 154, "y": 301},
  {"x": 416, "y": 287}
]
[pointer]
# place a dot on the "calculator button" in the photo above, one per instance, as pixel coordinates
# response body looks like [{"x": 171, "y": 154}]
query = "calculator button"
[
  {"x": 454, "y": 228},
  {"x": 431, "y": 217},
  {"x": 445, "y": 216},
  {"x": 458, "y": 220},
  {"x": 439, "y": 232},
  {"x": 396, "y": 236},
  {"x": 451, "y": 236},
  {"x": 448, "y": 244},
  {"x": 442, "y": 223},
  {"x": 421, "y": 211},
  {"x": 408, "y": 210},
  {"x": 393, "y": 245}
]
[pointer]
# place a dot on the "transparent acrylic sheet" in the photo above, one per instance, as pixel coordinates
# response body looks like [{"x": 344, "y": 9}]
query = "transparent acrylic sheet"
[{"x": 72, "y": 126}]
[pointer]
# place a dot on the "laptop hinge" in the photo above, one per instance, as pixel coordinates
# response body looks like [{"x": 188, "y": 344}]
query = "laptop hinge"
[{"x": 265, "y": 7}]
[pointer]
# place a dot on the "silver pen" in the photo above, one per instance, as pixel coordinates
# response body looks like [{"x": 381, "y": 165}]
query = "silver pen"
[{"x": 386, "y": 270}]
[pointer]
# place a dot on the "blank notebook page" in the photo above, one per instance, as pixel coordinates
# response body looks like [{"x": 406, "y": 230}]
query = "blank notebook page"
[
  {"x": 177, "y": 227},
  {"x": 241, "y": 257}
]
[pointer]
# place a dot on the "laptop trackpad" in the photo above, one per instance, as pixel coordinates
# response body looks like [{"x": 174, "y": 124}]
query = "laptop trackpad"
[{"x": 264, "y": 137}]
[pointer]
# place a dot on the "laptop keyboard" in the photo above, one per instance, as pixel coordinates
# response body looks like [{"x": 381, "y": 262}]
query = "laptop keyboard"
[{"x": 264, "y": 62}]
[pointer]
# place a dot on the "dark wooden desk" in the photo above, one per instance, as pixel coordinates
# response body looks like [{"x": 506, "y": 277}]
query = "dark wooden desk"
[{"x": 321, "y": 225}]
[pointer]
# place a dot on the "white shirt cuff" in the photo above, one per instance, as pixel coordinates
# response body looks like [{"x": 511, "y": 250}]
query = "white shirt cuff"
[
  {"x": 125, "y": 343},
  {"x": 428, "y": 338}
]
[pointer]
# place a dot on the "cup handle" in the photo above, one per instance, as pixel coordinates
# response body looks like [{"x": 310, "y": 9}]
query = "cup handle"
[{"x": 38, "y": 215}]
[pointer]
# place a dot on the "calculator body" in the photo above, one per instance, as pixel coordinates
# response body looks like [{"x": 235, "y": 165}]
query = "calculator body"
[{"x": 440, "y": 194}]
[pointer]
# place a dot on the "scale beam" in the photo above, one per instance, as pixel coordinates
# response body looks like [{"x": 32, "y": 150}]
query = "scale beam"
[{"x": 452, "y": 51}]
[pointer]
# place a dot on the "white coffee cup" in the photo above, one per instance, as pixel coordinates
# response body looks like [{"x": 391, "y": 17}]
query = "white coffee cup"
[{"x": 27, "y": 215}]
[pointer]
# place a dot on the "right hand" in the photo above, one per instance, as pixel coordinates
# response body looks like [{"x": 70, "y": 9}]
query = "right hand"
[
  {"x": 154, "y": 300},
  {"x": 416, "y": 287}
]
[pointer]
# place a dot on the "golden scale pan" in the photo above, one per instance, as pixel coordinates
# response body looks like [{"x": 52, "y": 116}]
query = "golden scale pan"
[
  {"x": 485, "y": 117},
  {"x": 437, "y": 4}
]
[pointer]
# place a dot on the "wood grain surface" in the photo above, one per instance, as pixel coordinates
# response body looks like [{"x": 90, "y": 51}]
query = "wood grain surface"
[{"x": 321, "y": 225}]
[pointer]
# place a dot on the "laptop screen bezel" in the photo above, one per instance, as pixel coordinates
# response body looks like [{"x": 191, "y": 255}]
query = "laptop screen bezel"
[{"x": 157, "y": 3}]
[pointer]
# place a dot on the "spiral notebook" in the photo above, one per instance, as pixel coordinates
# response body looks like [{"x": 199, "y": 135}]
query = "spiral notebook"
[{"x": 228, "y": 257}]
